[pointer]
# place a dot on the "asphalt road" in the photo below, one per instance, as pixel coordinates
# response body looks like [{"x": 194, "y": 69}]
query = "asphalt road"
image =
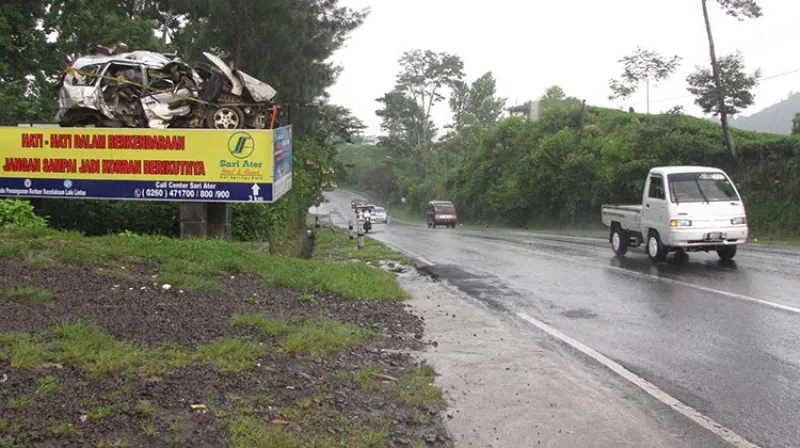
[{"x": 723, "y": 338}]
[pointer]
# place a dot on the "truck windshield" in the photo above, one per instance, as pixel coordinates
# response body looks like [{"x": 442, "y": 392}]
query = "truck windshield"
[{"x": 701, "y": 187}]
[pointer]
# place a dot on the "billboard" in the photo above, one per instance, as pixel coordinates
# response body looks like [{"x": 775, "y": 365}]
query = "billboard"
[
  {"x": 282, "y": 162},
  {"x": 202, "y": 165}
]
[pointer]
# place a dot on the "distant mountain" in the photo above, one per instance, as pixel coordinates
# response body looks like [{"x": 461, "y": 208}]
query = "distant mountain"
[{"x": 775, "y": 119}]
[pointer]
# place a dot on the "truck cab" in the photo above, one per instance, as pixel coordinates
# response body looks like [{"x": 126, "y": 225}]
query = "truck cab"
[{"x": 684, "y": 209}]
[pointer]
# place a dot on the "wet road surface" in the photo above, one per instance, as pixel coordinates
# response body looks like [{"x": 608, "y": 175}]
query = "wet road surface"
[{"x": 723, "y": 338}]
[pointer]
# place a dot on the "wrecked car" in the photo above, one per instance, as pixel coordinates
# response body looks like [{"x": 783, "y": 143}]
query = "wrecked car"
[{"x": 115, "y": 87}]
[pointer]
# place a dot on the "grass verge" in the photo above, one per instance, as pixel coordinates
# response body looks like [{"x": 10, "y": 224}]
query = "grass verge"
[
  {"x": 30, "y": 294},
  {"x": 194, "y": 264},
  {"x": 99, "y": 354},
  {"x": 414, "y": 388},
  {"x": 336, "y": 244},
  {"x": 316, "y": 338}
]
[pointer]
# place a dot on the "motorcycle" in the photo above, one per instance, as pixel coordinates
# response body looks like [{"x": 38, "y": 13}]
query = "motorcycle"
[{"x": 367, "y": 222}]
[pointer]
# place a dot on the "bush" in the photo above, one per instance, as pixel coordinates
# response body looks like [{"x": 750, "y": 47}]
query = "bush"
[
  {"x": 98, "y": 217},
  {"x": 15, "y": 213}
]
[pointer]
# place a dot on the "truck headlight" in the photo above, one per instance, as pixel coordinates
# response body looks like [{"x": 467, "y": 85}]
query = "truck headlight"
[
  {"x": 680, "y": 223},
  {"x": 739, "y": 221}
]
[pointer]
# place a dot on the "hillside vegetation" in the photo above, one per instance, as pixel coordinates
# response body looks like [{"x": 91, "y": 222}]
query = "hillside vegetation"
[{"x": 560, "y": 169}]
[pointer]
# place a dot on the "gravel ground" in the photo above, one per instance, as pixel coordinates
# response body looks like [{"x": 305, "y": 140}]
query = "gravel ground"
[{"x": 283, "y": 400}]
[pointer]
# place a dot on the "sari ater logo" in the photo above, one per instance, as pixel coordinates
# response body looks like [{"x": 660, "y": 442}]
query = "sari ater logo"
[
  {"x": 241, "y": 145},
  {"x": 239, "y": 167}
]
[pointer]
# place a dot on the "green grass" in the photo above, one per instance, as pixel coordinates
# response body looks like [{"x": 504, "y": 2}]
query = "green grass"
[
  {"x": 106, "y": 411},
  {"x": 325, "y": 337},
  {"x": 30, "y": 294},
  {"x": 175, "y": 434},
  {"x": 21, "y": 402},
  {"x": 63, "y": 430},
  {"x": 251, "y": 432},
  {"x": 338, "y": 245},
  {"x": 414, "y": 389},
  {"x": 39, "y": 259},
  {"x": 48, "y": 386},
  {"x": 149, "y": 429},
  {"x": 195, "y": 263},
  {"x": 145, "y": 408},
  {"x": 319, "y": 337},
  {"x": 366, "y": 379},
  {"x": 99, "y": 354},
  {"x": 231, "y": 354},
  {"x": 417, "y": 389}
]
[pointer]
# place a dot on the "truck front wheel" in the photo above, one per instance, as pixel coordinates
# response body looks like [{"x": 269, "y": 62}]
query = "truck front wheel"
[
  {"x": 619, "y": 241},
  {"x": 726, "y": 252},
  {"x": 655, "y": 249}
]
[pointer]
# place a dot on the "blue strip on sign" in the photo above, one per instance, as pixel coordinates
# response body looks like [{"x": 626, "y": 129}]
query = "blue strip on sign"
[{"x": 135, "y": 190}]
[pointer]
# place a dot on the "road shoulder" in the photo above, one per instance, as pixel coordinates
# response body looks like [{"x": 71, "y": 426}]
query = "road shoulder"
[{"x": 509, "y": 385}]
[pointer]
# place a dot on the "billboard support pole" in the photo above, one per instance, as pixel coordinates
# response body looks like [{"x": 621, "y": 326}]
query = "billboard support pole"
[
  {"x": 194, "y": 222},
  {"x": 219, "y": 220}
]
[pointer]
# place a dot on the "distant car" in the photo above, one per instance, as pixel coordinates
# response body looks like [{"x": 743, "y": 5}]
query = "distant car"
[
  {"x": 441, "y": 213},
  {"x": 356, "y": 203},
  {"x": 379, "y": 215},
  {"x": 364, "y": 207}
]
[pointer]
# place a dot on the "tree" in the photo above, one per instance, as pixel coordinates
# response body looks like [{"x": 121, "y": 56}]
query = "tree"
[
  {"x": 555, "y": 96},
  {"x": 726, "y": 93},
  {"x": 642, "y": 65},
  {"x": 78, "y": 23},
  {"x": 796, "y": 124},
  {"x": 383, "y": 181},
  {"x": 26, "y": 64},
  {"x": 399, "y": 118},
  {"x": 407, "y": 109},
  {"x": 738, "y": 9},
  {"x": 287, "y": 43},
  {"x": 478, "y": 100}
]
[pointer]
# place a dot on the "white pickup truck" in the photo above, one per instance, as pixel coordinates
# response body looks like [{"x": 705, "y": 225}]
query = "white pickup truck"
[{"x": 684, "y": 209}]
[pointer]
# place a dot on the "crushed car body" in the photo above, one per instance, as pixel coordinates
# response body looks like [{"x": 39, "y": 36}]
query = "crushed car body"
[{"x": 115, "y": 87}]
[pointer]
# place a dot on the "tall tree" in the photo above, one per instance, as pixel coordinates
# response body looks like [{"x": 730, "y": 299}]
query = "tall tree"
[
  {"x": 725, "y": 92},
  {"x": 796, "y": 124},
  {"x": 420, "y": 84},
  {"x": 739, "y": 9},
  {"x": 78, "y": 23},
  {"x": 27, "y": 66},
  {"x": 642, "y": 65},
  {"x": 478, "y": 100}
]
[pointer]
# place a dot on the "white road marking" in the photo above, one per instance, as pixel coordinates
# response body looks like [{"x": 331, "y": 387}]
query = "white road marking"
[
  {"x": 650, "y": 388},
  {"x": 732, "y": 295}
]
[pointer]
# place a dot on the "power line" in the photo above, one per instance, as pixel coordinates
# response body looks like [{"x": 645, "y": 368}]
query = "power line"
[{"x": 762, "y": 78}]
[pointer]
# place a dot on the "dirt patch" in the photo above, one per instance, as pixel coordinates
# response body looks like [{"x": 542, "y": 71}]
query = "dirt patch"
[{"x": 364, "y": 392}]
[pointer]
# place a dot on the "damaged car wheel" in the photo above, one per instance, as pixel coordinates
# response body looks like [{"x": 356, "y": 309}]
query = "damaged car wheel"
[{"x": 225, "y": 117}]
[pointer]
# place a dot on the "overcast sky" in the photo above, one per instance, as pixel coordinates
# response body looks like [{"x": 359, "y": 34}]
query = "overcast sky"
[{"x": 530, "y": 45}]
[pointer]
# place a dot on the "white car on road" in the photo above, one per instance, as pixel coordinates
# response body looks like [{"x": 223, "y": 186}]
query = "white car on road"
[{"x": 380, "y": 215}]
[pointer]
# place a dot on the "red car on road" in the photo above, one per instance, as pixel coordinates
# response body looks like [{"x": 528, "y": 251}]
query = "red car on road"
[{"x": 441, "y": 213}]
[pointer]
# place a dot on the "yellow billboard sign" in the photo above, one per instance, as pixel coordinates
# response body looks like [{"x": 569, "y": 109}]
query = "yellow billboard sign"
[{"x": 146, "y": 164}]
